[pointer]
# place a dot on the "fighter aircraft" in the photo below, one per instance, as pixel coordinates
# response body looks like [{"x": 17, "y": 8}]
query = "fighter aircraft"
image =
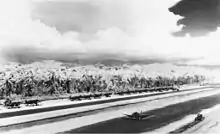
[{"x": 138, "y": 116}]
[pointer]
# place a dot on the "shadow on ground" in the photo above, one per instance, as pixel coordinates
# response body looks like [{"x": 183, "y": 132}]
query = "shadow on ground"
[{"x": 163, "y": 117}]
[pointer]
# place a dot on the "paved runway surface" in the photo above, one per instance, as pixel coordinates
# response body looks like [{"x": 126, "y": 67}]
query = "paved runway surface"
[
  {"x": 163, "y": 116},
  {"x": 210, "y": 125},
  {"x": 166, "y": 110}
]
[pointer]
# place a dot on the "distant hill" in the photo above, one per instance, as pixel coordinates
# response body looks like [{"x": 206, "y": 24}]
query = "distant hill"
[{"x": 110, "y": 61}]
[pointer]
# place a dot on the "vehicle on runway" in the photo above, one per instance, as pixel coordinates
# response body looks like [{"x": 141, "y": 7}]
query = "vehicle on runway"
[
  {"x": 32, "y": 102},
  {"x": 11, "y": 104},
  {"x": 197, "y": 120},
  {"x": 138, "y": 116}
]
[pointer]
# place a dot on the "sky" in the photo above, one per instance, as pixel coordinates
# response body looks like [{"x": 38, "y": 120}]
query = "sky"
[{"x": 184, "y": 32}]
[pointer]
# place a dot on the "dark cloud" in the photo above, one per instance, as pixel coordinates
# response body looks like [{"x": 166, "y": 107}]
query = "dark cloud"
[
  {"x": 200, "y": 17},
  {"x": 28, "y": 54}
]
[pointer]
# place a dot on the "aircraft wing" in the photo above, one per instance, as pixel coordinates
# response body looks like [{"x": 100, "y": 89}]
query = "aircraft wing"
[
  {"x": 129, "y": 115},
  {"x": 147, "y": 116}
]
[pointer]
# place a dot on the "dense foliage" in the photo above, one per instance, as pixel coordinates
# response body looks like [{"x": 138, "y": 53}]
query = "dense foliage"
[{"x": 29, "y": 82}]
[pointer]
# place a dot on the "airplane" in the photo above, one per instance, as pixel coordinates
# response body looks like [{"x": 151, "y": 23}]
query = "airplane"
[{"x": 139, "y": 116}]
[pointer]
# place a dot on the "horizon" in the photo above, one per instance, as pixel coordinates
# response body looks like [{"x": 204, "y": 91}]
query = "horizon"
[{"x": 125, "y": 30}]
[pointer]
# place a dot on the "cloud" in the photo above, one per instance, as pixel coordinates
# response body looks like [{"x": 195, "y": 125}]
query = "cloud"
[
  {"x": 200, "y": 17},
  {"x": 74, "y": 30},
  {"x": 84, "y": 16}
]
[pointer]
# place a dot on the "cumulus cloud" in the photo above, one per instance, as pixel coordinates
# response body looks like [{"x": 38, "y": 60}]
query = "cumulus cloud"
[{"x": 71, "y": 30}]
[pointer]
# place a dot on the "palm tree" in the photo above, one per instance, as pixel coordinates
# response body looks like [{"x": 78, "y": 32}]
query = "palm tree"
[{"x": 8, "y": 86}]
